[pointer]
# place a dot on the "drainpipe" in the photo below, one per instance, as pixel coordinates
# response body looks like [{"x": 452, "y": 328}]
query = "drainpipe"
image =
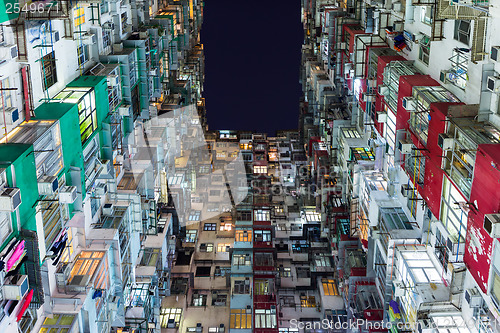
[{"x": 409, "y": 12}]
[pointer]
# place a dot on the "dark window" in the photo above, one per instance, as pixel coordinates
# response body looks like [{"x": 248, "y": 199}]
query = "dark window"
[{"x": 462, "y": 31}]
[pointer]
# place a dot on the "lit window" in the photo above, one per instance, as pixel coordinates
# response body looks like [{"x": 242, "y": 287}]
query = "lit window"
[
  {"x": 285, "y": 272},
  {"x": 223, "y": 247},
  {"x": 265, "y": 318},
  {"x": 260, "y": 169},
  {"x": 240, "y": 318},
  {"x": 262, "y": 235},
  {"x": 261, "y": 215},
  {"x": 199, "y": 300},
  {"x": 225, "y": 226},
  {"x": 194, "y": 215},
  {"x": 191, "y": 236},
  {"x": 170, "y": 318},
  {"x": 329, "y": 287},
  {"x": 307, "y": 301},
  {"x": 243, "y": 236},
  {"x": 262, "y": 287},
  {"x": 206, "y": 247},
  {"x": 241, "y": 260},
  {"x": 209, "y": 226}
]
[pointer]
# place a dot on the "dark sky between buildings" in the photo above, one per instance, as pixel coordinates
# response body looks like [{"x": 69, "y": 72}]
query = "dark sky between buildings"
[{"x": 252, "y": 64}]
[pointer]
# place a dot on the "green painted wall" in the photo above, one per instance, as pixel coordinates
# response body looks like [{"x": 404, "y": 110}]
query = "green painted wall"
[
  {"x": 8, "y": 5},
  {"x": 71, "y": 143},
  {"x": 19, "y": 161}
]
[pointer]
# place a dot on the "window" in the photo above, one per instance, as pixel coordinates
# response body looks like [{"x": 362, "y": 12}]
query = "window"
[
  {"x": 59, "y": 323},
  {"x": 222, "y": 271},
  {"x": 307, "y": 301},
  {"x": 244, "y": 215},
  {"x": 49, "y": 73},
  {"x": 241, "y": 260},
  {"x": 106, "y": 38},
  {"x": 452, "y": 216},
  {"x": 322, "y": 260},
  {"x": 427, "y": 14},
  {"x": 5, "y": 226},
  {"x": 287, "y": 300},
  {"x": 219, "y": 298},
  {"x": 79, "y": 17},
  {"x": 424, "y": 50},
  {"x": 82, "y": 52},
  {"x": 225, "y": 226},
  {"x": 86, "y": 265},
  {"x": 223, "y": 247},
  {"x": 264, "y": 259},
  {"x": 285, "y": 272},
  {"x": 260, "y": 169},
  {"x": 243, "y": 236},
  {"x": 206, "y": 247},
  {"x": 329, "y": 287},
  {"x": 199, "y": 300},
  {"x": 194, "y": 215},
  {"x": 261, "y": 215},
  {"x": 241, "y": 286},
  {"x": 462, "y": 31},
  {"x": 262, "y": 235},
  {"x": 191, "y": 236},
  {"x": 303, "y": 272},
  {"x": 209, "y": 226},
  {"x": 240, "y": 318},
  {"x": 265, "y": 318},
  {"x": 6, "y": 99},
  {"x": 262, "y": 287}
]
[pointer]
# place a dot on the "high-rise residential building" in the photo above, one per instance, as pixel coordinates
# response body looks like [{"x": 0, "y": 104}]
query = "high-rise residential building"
[{"x": 120, "y": 211}]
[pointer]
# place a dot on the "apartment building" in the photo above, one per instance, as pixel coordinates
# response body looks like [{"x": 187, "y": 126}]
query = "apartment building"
[{"x": 121, "y": 212}]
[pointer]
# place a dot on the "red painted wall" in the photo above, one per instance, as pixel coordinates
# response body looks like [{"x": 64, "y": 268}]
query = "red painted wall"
[{"x": 486, "y": 198}]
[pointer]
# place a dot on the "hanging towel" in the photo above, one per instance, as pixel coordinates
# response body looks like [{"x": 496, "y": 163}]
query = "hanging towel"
[
  {"x": 15, "y": 256},
  {"x": 97, "y": 293},
  {"x": 26, "y": 303},
  {"x": 15, "y": 270},
  {"x": 59, "y": 253}
]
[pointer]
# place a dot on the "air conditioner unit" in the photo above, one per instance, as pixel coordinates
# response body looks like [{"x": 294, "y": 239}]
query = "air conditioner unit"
[
  {"x": 108, "y": 25},
  {"x": 445, "y": 142},
  {"x": 124, "y": 110},
  {"x": 90, "y": 39},
  {"x": 455, "y": 247},
  {"x": 153, "y": 72},
  {"x": 398, "y": 289},
  {"x": 382, "y": 117},
  {"x": 409, "y": 104},
  {"x": 53, "y": 37},
  {"x": 113, "y": 303},
  {"x": 396, "y": 6},
  {"x": 473, "y": 298},
  {"x": 16, "y": 287},
  {"x": 68, "y": 194},
  {"x": 491, "y": 224},
  {"x": 8, "y": 52},
  {"x": 493, "y": 84},
  {"x": 11, "y": 115},
  {"x": 101, "y": 189},
  {"x": 495, "y": 53},
  {"x": 405, "y": 147},
  {"x": 383, "y": 90},
  {"x": 368, "y": 98},
  {"x": 399, "y": 25},
  {"x": 108, "y": 209},
  {"x": 10, "y": 199},
  {"x": 406, "y": 190},
  {"x": 48, "y": 185}
]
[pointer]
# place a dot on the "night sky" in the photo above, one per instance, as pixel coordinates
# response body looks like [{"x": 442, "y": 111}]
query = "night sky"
[{"x": 252, "y": 64}]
